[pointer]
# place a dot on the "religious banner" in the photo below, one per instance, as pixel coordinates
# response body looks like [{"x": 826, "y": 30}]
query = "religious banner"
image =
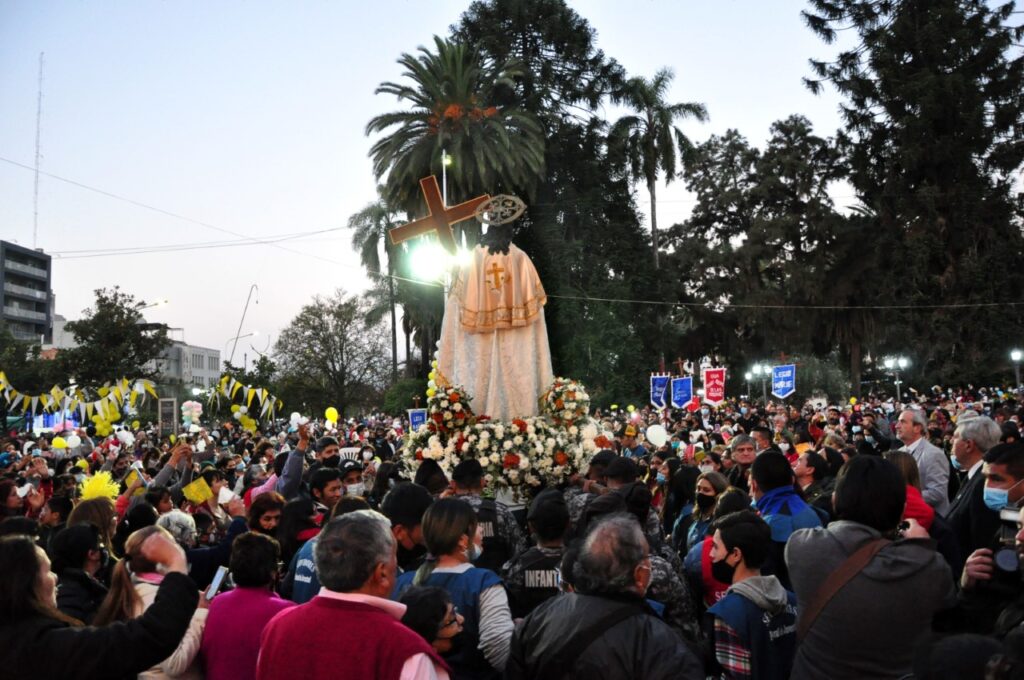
[
  {"x": 417, "y": 418},
  {"x": 714, "y": 386},
  {"x": 682, "y": 391},
  {"x": 783, "y": 380},
  {"x": 659, "y": 386}
]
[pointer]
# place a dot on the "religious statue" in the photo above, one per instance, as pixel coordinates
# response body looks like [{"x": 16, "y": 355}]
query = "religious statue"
[{"x": 494, "y": 341}]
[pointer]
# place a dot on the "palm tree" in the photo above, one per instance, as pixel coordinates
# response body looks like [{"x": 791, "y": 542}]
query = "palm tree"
[
  {"x": 645, "y": 143},
  {"x": 455, "y": 97},
  {"x": 371, "y": 226}
]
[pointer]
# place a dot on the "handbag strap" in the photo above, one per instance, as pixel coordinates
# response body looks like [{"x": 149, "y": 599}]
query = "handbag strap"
[{"x": 853, "y": 565}]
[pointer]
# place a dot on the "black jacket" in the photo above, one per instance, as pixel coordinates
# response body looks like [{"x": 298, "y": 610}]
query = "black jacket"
[
  {"x": 973, "y": 522},
  {"x": 636, "y": 646},
  {"x": 79, "y": 595},
  {"x": 41, "y": 647}
]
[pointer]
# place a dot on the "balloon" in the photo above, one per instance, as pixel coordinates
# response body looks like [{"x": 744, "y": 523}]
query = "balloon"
[
  {"x": 295, "y": 416},
  {"x": 615, "y": 407},
  {"x": 193, "y": 429},
  {"x": 74, "y": 441},
  {"x": 331, "y": 414},
  {"x": 431, "y": 391},
  {"x": 657, "y": 435},
  {"x": 853, "y": 400},
  {"x": 236, "y": 415},
  {"x": 631, "y": 408},
  {"x": 235, "y": 408},
  {"x": 59, "y": 443},
  {"x": 243, "y": 409},
  {"x": 172, "y": 438},
  {"x": 135, "y": 424}
]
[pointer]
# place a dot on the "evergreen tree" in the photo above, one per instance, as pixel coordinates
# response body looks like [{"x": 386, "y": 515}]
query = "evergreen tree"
[{"x": 934, "y": 136}]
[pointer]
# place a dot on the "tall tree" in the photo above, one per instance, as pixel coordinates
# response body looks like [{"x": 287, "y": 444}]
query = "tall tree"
[
  {"x": 646, "y": 142},
  {"x": 329, "y": 356},
  {"x": 934, "y": 136},
  {"x": 113, "y": 342},
  {"x": 370, "y": 233},
  {"x": 454, "y": 94}
]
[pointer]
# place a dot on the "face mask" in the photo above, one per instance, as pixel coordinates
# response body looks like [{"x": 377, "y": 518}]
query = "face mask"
[
  {"x": 869, "y": 439},
  {"x": 783, "y": 446},
  {"x": 743, "y": 410},
  {"x": 706, "y": 468},
  {"x": 474, "y": 552},
  {"x": 367, "y": 455},
  {"x": 331, "y": 462},
  {"x": 355, "y": 489},
  {"x": 955, "y": 463},
  {"x": 997, "y": 499},
  {"x": 661, "y": 478},
  {"x": 80, "y": 477},
  {"x": 705, "y": 412},
  {"x": 705, "y": 502},
  {"x": 722, "y": 572},
  {"x": 223, "y": 442},
  {"x": 675, "y": 445}
]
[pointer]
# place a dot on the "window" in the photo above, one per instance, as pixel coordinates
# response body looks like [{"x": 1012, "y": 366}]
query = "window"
[{"x": 211, "y": 363}]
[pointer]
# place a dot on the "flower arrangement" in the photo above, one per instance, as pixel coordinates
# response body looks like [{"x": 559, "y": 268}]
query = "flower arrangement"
[
  {"x": 518, "y": 455},
  {"x": 566, "y": 402}
]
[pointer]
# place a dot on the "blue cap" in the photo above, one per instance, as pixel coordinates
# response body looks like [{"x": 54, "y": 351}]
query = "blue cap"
[{"x": 6, "y": 459}]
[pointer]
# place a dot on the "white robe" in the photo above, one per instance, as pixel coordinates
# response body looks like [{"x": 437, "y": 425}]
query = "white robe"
[{"x": 494, "y": 341}]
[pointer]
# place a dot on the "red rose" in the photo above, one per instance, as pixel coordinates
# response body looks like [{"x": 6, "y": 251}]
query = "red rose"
[
  {"x": 511, "y": 461},
  {"x": 561, "y": 458}
]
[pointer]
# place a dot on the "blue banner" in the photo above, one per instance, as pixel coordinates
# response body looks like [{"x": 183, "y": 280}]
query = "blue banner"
[
  {"x": 417, "y": 418},
  {"x": 682, "y": 392},
  {"x": 783, "y": 380},
  {"x": 659, "y": 386}
]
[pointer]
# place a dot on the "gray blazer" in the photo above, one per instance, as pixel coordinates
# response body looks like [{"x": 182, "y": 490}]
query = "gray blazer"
[{"x": 934, "y": 468}]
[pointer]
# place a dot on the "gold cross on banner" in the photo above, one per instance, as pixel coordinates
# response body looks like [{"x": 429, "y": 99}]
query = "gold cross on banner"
[
  {"x": 439, "y": 218},
  {"x": 496, "y": 272}
]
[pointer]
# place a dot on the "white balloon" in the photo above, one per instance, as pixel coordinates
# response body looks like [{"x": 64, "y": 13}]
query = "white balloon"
[
  {"x": 73, "y": 441},
  {"x": 657, "y": 435},
  {"x": 237, "y": 415},
  {"x": 193, "y": 429},
  {"x": 243, "y": 409},
  {"x": 295, "y": 416}
]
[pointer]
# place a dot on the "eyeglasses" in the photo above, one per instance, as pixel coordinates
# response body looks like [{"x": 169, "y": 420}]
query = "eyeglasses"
[{"x": 449, "y": 622}]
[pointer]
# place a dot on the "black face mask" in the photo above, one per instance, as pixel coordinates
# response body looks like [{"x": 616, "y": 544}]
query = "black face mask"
[
  {"x": 705, "y": 502},
  {"x": 722, "y": 572},
  {"x": 331, "y": 462}
]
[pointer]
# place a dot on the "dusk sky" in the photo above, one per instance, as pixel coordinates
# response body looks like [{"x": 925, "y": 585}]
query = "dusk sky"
[{"x": 248, "y": 117}]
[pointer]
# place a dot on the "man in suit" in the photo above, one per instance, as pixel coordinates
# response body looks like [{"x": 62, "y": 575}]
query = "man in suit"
[
  {"x": 972, "y": 521},
  {"x": 911, "y": 429}
]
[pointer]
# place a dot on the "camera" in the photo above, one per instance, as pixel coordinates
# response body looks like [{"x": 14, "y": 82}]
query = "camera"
[{"x": 1004, "y": 548}]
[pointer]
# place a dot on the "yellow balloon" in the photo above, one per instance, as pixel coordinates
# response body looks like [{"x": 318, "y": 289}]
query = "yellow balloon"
[
  {"x": 431, "y": 375},
  {"x": 631, "y": 408},
  {"x": 331, "y": 413},
  {"x": 135, "y": 424},
  {"x": 172, "y": 438},
  {"x": 234, "y": 408},
  {"x": 59, "y": 443},
  {"x": 853, "y": 400},
  {"x": 433, "y": 364},
  {"x": 431, "y": 391}
]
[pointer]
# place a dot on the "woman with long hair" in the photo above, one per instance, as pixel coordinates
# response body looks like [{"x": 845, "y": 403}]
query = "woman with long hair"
[
  {"x": 101, "y": 514},
  {"x": 38, "y": 641},
  {"x": 454, "y": 539},
  {"x": 298, "y": 525},
  {"x": 133, "y": 590},
  {"x": 709, "y": 486}
]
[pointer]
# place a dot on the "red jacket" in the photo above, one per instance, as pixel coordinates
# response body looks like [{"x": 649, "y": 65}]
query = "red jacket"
[{"x": 918, "y": 509}]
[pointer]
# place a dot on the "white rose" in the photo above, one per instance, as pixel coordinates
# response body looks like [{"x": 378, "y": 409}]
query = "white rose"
[
  {"x": 524, "y": 463},
  {"x": 571, "y": 405},
  {"x": 484, "y": 435},
  {"x": 567, "y": 413},
  {"x": 447, "y": 415},
  {"x": 531, "y": 430},
  {"x": 456, "y": 407},
  {"x": 574, "y": 430},
  {"x": 444, "y": 403},
  {"x": 465, "y": 447},
  {"x": 508, "y": 445},
  {"x": 495, "y": 458},
  {"x": 517, "y": 440},
  {"x": 471, "y": 438}
]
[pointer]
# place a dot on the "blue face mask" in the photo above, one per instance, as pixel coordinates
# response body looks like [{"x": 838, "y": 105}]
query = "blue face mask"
[
  {"x": 662, "y": 478},
  {"x": 675, "y": 445},
  {"x": 955, "y": 463},
  {"x": 743, "y": 410},
  {"x": 997, "y": 499}
]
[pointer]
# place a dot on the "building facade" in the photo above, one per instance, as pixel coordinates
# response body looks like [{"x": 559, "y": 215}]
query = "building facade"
[
  {"x": 26, "y": 296},
  {"x": 190, "y": 365}
]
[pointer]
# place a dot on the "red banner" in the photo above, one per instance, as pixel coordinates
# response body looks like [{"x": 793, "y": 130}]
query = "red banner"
[{"x": 714, "y": 386}]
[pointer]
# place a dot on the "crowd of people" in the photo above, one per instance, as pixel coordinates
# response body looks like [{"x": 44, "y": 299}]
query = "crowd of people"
[{"x": 760, "y": 540}]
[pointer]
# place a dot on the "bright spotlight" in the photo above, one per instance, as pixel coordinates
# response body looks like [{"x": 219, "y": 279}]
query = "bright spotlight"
[{"x": 427, "y": 261}]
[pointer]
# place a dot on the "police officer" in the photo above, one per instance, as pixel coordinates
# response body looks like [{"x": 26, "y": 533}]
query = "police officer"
[
  {"x": 532, "y": 577},
  {"x": 502, "y": 536}
]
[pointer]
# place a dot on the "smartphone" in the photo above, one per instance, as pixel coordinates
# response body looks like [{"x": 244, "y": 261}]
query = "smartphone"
[{"x": 216, "y": 583}]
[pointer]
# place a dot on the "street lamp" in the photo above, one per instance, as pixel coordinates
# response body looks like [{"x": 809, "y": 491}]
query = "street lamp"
[
  {"x": 158, "y": 303},
  {"x": 1016, "y": 356},
  {"x": 446, "y": 160},
  {"x": 762, "y": 370},
  {"x": 235, "y": 339},
  {"x": 896, "y": 364},
  {"x": 747, "y": 376}
]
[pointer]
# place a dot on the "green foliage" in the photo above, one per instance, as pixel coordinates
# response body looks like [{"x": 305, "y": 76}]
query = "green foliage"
[
  {"x": 454, "y": 94},
  {"x": 329, "y": 356},
  {"x": 400, "y": 396},
  {"x": 113, "y": 342}
]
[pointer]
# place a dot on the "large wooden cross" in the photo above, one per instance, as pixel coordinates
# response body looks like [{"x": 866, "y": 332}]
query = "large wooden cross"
[
  {"x": 681, "y": 365},
  {"x": 440, "y": 218}
]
